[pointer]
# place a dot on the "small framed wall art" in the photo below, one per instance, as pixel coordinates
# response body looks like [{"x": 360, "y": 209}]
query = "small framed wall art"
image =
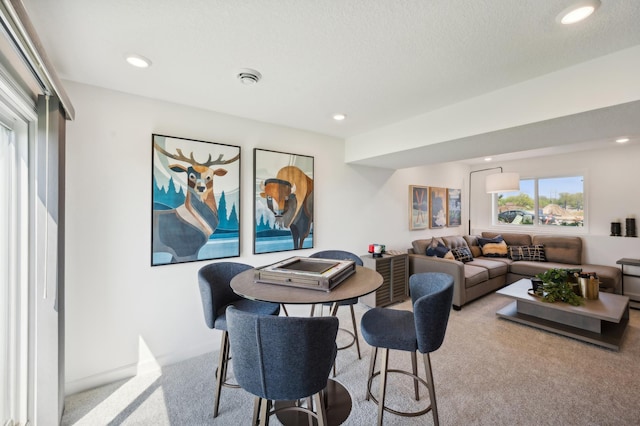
[
  {"x": 283, "y": 201},
  {"x": 196, "y": 200},
  {"x": 454, "y": 207},
  {"x": 418, "y": 207},
  {"x": 437, "y": 207}
]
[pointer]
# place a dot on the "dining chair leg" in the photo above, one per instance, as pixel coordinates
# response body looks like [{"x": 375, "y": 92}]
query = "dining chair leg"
[
  {"x": 414, "y": 366},
  {"x": 372, "y": 364},
  {"x": 265, "y": 408},
  {"x": 221, "y": 375},
  {"x": 310, "y": 416},
  {"x": 256, "y": 410},
  {"x": 383, "y": 384},
  {"x": 431, "y": 387},
  {"x": 355, "y": 330},
  {"x": 320, "y": 409},
  {"x": 284, "y": 308}
]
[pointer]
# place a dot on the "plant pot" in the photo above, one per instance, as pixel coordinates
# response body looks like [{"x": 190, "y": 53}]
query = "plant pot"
[
  {"x": 535, "y": 283},
  {"x": 589, "y": 287}
]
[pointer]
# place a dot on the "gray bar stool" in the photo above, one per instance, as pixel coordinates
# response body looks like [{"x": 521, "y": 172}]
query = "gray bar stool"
[
  {"x": 215, "y": 289},
  {"x": 283, "y": 359},
  {"x": 422, "y": 330}
]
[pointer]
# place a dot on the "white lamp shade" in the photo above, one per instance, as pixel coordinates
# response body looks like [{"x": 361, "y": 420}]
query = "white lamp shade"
[{"x": 502, "y": 182}]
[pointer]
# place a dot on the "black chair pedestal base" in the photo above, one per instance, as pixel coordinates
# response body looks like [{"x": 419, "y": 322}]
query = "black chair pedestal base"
[{"x": 337, "y": 402}]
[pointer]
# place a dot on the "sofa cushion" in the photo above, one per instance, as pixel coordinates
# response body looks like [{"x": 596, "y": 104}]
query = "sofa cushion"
[
  {"x": 494, "y": 267},
  {"x": 609, "y": 276},
  {"x": 529, "y": 269},
  {"x": 454, "y": 241},
  {"x": 474, "y": 275},
  {"x": 472, "y": 242},
  {"x": 462, "y": 254},
  {"x": 561, "y": 249},
  {"x": 511, "y": 239},
  {"x": 534, "y": 253},
  {"x": 493, "y": 247}
]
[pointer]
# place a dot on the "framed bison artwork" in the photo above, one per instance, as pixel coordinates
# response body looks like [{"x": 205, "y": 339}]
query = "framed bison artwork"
[
  {"x": 283, "y": 201},
  {"x": 196, "y": 200}
]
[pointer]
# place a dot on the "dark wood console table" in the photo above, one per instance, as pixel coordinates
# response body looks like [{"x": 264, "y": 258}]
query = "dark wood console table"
[{"x": 629, "y": 262}]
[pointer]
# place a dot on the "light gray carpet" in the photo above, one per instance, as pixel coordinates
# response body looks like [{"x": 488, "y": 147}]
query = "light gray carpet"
[{"x": 488, "y": 372}]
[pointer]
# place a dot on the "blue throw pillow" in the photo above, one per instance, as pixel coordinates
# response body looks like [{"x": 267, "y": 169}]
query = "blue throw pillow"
[{"x": 440, "y": 250}]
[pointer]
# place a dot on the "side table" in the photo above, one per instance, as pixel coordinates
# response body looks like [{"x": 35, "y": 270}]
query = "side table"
[
  {"x": 633, "y": 303},
  {"x": 394, "y": 269}
]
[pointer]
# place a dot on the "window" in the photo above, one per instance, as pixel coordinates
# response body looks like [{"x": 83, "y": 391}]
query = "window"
[
  {"x": 13, "y": 275},
  {"x": 17, "y": 118},
  {"x": 543, "y": 202}
]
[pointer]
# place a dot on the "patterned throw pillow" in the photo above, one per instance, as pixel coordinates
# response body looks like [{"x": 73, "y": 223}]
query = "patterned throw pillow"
[
  {"x": 493, "y": 247},
  {"x": 534, "y": 253},
  {"x": 462, "y": 254}
]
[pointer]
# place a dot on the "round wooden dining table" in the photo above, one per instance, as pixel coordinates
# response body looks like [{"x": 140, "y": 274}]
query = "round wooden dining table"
[{"x": 361, "y": 283}]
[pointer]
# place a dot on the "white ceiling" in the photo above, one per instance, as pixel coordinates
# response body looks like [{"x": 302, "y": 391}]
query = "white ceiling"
[{"x": 377, "y": 61}]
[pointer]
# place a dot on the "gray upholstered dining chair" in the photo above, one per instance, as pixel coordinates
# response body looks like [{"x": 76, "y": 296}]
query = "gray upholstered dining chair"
[
  {"x": 422, "y": 330},
  {"x": 343, "y": 255},
  {"x": 283, "y": 359},
  {"x": 215, "y": 289}
]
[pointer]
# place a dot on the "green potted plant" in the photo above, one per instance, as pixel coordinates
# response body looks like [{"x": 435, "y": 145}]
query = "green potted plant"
[{"x": 557, "y": 288}]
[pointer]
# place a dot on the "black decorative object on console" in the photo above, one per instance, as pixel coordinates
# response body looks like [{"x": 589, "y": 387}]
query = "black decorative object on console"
[
  {"x": 616, "y": 229},
  {"x": 630, "y": 227}
]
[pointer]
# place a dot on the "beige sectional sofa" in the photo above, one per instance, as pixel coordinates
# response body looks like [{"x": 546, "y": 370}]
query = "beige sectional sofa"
[{"x": 483, "y": 275}]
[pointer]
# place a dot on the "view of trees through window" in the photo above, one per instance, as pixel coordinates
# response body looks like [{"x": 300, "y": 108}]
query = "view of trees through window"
[{"x": 555, "y": 201}]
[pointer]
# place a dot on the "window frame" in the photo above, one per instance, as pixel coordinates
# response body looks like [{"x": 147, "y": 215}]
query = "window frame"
[{"x": 535, "y": 226}]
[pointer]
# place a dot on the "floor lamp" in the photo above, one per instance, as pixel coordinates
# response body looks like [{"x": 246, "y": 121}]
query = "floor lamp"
[{"x": 497, "y": 182}]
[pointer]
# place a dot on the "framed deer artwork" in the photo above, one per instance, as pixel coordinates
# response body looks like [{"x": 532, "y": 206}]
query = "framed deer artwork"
[
  {"x": 418, "y": 207},
  {"x": 196, "y": 200},
  {"x": 283, "y": 201}
]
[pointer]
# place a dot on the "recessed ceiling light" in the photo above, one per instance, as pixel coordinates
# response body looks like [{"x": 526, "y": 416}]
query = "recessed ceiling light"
[
  {"x": 488, "y": 158},
  {"x": 622, "y": 140},
  {"x": 249, "y": 77},
  {"x": 137, "y": 60},
  {"x": 339, "y": 117},
  {"x": 577, "y": 12}
]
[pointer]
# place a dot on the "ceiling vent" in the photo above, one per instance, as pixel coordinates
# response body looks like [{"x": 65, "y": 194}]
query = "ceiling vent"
[{"x": 249, "y": 77}]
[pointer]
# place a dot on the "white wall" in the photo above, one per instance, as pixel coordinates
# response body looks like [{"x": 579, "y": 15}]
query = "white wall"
[
  {"x": 124, "y": 316},
  {"x": 611, "y": 176}
]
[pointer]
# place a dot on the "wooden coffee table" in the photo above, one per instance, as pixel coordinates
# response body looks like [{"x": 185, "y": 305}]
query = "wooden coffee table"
[{"x": 601, "y": 322}]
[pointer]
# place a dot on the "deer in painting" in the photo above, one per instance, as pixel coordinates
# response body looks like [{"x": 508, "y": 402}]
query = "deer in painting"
[
  {"x": 290, "y": 197},
  {"x": 183, "y": 231}
]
